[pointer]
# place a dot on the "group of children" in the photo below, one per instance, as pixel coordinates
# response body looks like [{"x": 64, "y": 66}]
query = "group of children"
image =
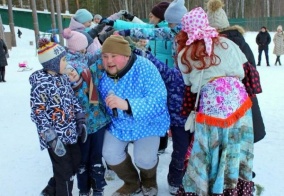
[{"x": 72, "y": 120}]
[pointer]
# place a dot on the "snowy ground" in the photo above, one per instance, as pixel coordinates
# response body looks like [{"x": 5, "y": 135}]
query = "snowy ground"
[{"x": 25, "y": 170}]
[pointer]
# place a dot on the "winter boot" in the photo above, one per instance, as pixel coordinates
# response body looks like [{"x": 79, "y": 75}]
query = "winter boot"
[
  {"x": 149, "y": 181},
  {"x": 49, "y": 190},
  {"x": 3, "y": 76},
  {"x": 277, "y": 60},
  {"x": 128, "y": 173}
]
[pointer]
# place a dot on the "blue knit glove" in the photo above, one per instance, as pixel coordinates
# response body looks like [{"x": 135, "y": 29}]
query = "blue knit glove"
[{"x": 54, "y": 142}]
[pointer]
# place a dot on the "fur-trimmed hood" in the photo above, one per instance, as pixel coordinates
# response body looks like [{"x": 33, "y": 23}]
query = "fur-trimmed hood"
[{"x": 235, "y": 27}]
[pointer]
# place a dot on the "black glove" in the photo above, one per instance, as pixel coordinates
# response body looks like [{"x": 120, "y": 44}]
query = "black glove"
[
  {"x": 107, "y": 22},
  {"x": 81, "y": 127},
  {"x": 104, "y": 36},
  {"x": 128, "y": 16},
  {"x": 54, "y": 142},
  {"x": 94, "y": 32}
]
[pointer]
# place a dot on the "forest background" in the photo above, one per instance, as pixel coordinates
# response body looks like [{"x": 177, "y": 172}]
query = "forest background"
[{"x": 141, "y": 8}]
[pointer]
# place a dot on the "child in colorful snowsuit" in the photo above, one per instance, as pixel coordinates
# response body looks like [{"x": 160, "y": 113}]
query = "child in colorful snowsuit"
[
  {"x": 91, "y": 169},
  {"x": 58, "y": 116}
]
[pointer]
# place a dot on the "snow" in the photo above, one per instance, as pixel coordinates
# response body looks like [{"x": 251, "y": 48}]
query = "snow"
[{"x": 25, "y": 169}]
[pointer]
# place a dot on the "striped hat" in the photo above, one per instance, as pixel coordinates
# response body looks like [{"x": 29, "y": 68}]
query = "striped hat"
[{"x": 50, "y": 54}]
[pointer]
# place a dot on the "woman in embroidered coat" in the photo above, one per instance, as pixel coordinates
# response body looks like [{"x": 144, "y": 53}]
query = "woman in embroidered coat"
[
  {"x": 219, "y": 20},
  {"x": 278, "y": 40},
  {"x": 222, "y": 152}
]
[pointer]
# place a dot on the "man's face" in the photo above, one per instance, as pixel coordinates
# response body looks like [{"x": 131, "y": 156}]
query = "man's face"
[
  {"x": 153, "y": 19},
  {"x": 113, "y": 63},
  {"x": 262, "y": 29}
]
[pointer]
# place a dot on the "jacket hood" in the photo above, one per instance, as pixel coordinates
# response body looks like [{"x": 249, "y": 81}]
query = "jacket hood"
[
  {"x": 235, "y": 27},
  {"x": 74, "y": 25}
]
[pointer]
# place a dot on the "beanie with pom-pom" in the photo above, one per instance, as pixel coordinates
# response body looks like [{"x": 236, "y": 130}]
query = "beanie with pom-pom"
[
  {"x": 216, "y": 15},
  {"x": 50, "y": 54},
  {"x": 76, "y": 41}
]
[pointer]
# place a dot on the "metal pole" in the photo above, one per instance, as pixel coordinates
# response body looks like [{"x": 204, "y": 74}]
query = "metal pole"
[
  {"x": 59, "y": 22},
  {"x": 35, "y": 20},
  {"x": 11, "y": 23}
]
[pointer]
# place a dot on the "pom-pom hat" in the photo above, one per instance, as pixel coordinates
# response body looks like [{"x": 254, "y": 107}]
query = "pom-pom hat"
[
  {"x": 75, "y": 41},
  {"x": 216, "y": 15},
  {"x": 50, "y": 54}
]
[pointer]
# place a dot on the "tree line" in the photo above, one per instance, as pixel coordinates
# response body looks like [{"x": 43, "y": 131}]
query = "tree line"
[{"x": 141, "y": 8}]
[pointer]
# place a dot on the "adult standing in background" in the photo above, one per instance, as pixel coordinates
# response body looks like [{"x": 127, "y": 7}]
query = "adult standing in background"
[
  {"x": 263, "y": 39},
  {"x": 278, "y": 40},
  {"x": 3, "y": 59}
]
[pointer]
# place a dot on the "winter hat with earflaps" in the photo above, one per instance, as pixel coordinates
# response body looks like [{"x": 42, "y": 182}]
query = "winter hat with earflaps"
[
  {"x": 175, "y": 11},
  {"x": 159, "y": 9},
  {"x": 76, "y": 41},
  {"x": 83, "y": 15},
  {"x": 216, "y": 15},
  {"x": 50, "y": 54}
]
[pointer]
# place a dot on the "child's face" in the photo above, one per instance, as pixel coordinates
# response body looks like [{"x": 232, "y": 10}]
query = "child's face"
[
  {"x": 63, "y": 64},
  {"x": 72, "y": 75},
  {"x": 143, "y": 42},
  {"x": 97, "y": 20}
]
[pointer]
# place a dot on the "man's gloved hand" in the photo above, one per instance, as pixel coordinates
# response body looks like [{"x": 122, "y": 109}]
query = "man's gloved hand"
[
  {"x": 54, "y": 142},
  {"x": 94, "y": 32},
  {"x": 81, "y": 127},
  {"x": 122, "y": 12},
  {"x": 107, "y": 21},
  {"x": 128, "y": 16}
]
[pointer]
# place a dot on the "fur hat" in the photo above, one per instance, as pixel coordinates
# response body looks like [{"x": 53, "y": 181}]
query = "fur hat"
[
  {"x": 76, "y": 41},
  {"x": 175, "y": 11},
  {"x": 116, "y": 44},
  {"x": 50, "y": 54},
  {"x": 216, "y": 15},
  {"x": 83, "y": 15},
  {"x": 159, "y": 10},
  {"x": 279, "y": 27}
]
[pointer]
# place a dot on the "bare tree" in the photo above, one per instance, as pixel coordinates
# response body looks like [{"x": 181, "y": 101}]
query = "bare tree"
[
  {"x": 66, "y": 6},
  {"x": 53, "y": 23},
  {"x": 35, "y": 20},
  {"x": 45, "y": 5},
  {"x": 11, "y": 23},
  {"x": 59, "y": 21}
]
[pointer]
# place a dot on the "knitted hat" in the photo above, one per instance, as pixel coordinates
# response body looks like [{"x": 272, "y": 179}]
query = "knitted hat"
[
  {"x": 116, "y": 44},
  {"x": 83, "y": 15},
  {"x": 216, "y": 15},
  {"x": 159, "y": 10},
  {"x": 175, "y": 11},
  {"x": 89, "y": 38},
  {"x": 50, "y": 54},
  {"x": 98, "y": 16},
  {"x": 279, "y": 27},
  {"x": 76, "y": 41}
]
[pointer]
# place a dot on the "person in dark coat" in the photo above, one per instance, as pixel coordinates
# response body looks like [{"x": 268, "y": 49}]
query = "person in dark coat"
[
  {"x": 19, "y": 33},
  {"x": 3, "y": 59},
  {"x": 235, "y": 33},
  {"x": 263, "y": 39}
]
